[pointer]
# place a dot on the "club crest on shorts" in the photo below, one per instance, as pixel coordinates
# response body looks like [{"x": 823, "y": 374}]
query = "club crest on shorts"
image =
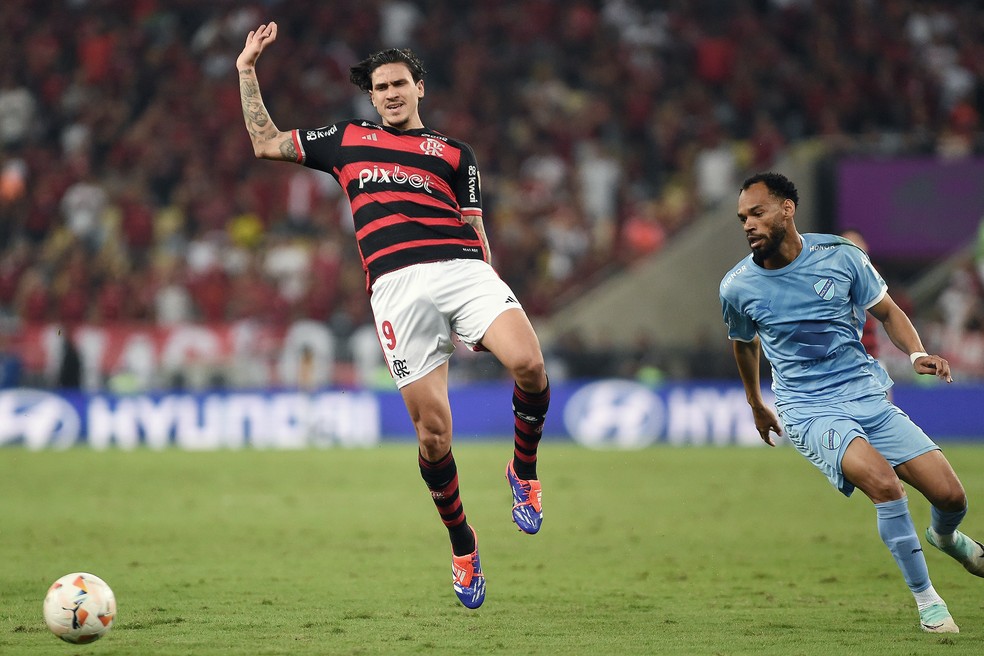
[
  {"x": 400, "y": 368},
  {"x": 831, "y": 439}
]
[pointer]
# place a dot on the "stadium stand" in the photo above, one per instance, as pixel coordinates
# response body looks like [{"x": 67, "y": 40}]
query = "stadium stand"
[{"x": 129, "y": 194}]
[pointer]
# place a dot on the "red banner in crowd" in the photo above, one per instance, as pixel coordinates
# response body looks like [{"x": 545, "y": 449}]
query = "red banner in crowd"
[{"x": 257, "y": 352}]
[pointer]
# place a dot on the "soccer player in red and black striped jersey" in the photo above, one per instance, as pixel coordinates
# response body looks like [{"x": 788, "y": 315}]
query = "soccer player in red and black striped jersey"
[{"x": 417, "y": 203}]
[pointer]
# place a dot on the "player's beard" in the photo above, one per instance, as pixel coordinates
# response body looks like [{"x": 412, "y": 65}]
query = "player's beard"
[{"x": 771, "y": 245}]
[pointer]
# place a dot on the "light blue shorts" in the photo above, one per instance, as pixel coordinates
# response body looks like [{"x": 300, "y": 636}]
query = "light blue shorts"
[{"x": 822, "y": 432}]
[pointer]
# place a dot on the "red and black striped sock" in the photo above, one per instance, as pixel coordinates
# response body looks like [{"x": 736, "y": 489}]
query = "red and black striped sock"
[
  {"x": 441, "y": 478},
  {"x": 530, "y": 410}
]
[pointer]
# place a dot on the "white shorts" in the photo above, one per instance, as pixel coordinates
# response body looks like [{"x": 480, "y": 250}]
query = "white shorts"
[{"x": 419, "y": 309}]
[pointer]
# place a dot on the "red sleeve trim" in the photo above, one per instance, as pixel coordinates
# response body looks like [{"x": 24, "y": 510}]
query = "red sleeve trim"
[{"x": 301, "y": 155}]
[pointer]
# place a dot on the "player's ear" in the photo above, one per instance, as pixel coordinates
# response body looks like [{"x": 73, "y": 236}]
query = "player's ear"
[{"x": 420, "y": 88}]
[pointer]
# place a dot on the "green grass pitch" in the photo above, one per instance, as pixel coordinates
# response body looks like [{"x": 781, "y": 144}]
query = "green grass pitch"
[{"x": 663, "y": 551}]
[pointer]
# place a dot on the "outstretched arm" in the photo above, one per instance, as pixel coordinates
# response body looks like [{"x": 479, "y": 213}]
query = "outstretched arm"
[
  {"x": 747, "y": 358},
  {"x": 268, "y": 141},
  {"x": 903, "y": 334}
]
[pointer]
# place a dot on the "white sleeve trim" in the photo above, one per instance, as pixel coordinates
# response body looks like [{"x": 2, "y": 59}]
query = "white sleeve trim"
[{"x": 878, "y": 298}]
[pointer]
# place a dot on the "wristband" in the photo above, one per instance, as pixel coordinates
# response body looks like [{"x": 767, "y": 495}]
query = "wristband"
[{"x": 915, "y": 356}]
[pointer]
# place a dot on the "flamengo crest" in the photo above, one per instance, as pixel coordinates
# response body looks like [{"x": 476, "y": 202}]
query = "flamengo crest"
[{"x": 432, "y": 147}]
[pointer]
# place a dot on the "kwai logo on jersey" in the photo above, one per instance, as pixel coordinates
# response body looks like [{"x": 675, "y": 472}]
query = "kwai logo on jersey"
[
  {"x": 824, "y": 288},
  {"x": 321, "y": 134},
  {"x": 473, "y": 184},
  {"x": 396, "y": 174},
  {"x": 432, "y": 147}
]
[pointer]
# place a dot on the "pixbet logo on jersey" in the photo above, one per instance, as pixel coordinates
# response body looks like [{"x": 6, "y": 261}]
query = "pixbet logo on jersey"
[{"x": 397, "y": 175}]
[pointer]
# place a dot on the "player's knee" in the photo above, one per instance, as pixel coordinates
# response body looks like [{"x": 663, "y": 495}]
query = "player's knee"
[
  {"x": 952, "y": 498},
  {"x": 883, "y": 488},
  {"x": 433, "y": 446},
  {"x": 530, "y": 373},
  {"x": 433, "y": 434}
]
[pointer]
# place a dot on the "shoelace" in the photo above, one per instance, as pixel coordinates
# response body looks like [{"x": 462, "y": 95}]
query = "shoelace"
[
  {"x": 528, "y": 489},
  {"x": 464, "y": 575}
]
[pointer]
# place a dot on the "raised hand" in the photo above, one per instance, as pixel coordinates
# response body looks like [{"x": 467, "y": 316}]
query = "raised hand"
[{"x": 256, "y": 42}]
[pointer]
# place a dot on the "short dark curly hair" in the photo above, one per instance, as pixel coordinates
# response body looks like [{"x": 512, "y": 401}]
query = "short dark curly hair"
[
  {"x": 778, "y": 185},
  {"x": 361, "y": 73}
]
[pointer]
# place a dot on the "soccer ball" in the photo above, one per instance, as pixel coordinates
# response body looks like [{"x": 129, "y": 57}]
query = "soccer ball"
[{"x": 79, "y": 607}]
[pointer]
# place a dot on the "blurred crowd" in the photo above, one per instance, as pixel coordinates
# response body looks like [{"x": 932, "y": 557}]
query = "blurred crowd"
[
  {"x": 129, "y": 192},
  {"x": 955, "y": 322}
]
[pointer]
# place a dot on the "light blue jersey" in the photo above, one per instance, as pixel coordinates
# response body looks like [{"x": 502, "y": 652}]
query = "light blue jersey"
[{"x": 808, "y": 316}]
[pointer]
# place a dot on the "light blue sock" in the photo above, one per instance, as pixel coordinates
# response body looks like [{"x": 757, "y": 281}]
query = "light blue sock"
[
  {"x": 945, "y": 523},
  {"x": 899, "y": 535}
]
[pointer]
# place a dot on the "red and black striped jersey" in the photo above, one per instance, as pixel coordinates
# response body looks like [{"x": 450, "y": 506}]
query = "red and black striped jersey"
[{"x": 409, "y": 191}]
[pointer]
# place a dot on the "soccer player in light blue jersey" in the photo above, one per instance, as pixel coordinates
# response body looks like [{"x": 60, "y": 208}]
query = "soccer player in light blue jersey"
[{"x": 801, "y": 299}]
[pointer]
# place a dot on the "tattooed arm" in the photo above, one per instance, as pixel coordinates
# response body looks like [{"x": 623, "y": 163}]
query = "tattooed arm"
[{"x": 268, "y": 141}]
